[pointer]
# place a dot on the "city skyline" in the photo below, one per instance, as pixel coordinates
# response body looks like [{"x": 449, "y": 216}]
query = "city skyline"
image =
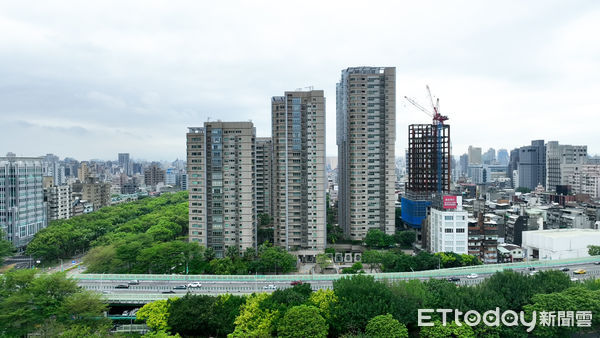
[{"x": 86, "y": 92}]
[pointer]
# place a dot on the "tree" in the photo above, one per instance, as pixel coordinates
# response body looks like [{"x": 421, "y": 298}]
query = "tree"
[
  {"x": 275, "y": 259},
  {"x": 594, "y": 250},
  {"x": 323, "y": 300},
  {"x": 523, "y": 190},
  {"x": 232, "y": 252},
  {"x": 253, "y": 320},
  {"x": 405, "y": 238},
  {"x": 156, "y": 315},
  {"x": 323, "y": 261},
  {"x": 47, "y": 304},
  {"x": 84, "y": 307},
  {"x": 360, "y": 298},
  {"x": 355, "y": 268},
  {"x": 572, "y": 299},
  {"x": 386, "y": 326},
  {"x": 6, "y": 247},
  {"x": 302, "y": 321},
  {"x": 376, "y": 238}
]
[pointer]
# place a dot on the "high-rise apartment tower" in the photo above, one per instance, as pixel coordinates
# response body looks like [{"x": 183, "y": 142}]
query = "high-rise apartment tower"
[
  {"x": 366, "y": 135},
  {"x": 221, "y": 176},
  {"x": 298, "y": 127}
]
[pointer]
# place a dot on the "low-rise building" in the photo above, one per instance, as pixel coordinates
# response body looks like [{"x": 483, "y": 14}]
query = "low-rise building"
[
  {"x": 559, "y": 243},
  {"x": 509, "y": 253},
  {"x": 447, "y": 223}
]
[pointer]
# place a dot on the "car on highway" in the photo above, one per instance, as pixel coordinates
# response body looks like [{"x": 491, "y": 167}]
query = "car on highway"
[
  {"x": 179, "y": 287},
  {"x": 453, "y": 279},
  {"x": 134, "y": 282},
  {"x": 296, "y": 282},
  {"x": 194, "y": 285},
  {"x": 122, "y": 286},
  {"x": 579, "y": 271},
  {"x": 531, "y": 273},
  {"x": 597, "y": 263},
  {"x": 565, "y": 269},
  {"x": 473, "y": 276},
  {"x": 168, "y": 291},
  {"x": 531, "y": 268},
  {"x": 106, "y": 292},
  {"x": 270, "y": 287},
  {"x": 574, "y": 279}
]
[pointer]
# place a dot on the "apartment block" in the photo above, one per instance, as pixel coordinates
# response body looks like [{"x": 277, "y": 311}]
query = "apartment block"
[
  {"x": 298, "y": 126},
  {"x": 153, "y": 175},
  {"x": 222, "y": 177},
  {"x": 58, "y": 199},
  {"x": 22, "y": 209},
  {"x": 264, "y": 173},
  {"x": 366, "y": 136}
]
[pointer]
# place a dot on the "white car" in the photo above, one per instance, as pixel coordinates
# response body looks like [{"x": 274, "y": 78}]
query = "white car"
[
  {"x": 574, "y": 279},
  {"x": 194, "y": 285},
  {"x": 473, "y": 276},
  {"x": 270, "y": 287}
]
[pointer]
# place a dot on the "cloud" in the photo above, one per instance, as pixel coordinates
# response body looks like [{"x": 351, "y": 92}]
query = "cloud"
[{"x": 505, "y": 72}]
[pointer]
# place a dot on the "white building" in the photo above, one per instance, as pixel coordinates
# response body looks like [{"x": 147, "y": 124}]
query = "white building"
[
  {"x": 449, "y": 228},
  {"x": 559, "y": 243}
]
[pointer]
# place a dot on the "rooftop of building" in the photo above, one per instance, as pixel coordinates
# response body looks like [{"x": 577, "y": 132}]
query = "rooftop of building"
[{"x": 563, "y": 233}]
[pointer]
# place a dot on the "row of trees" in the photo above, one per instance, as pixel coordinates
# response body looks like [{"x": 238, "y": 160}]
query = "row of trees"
[
  {"x": 398, "y": 261},
  {"x": 157, "y": 219},
  {"x": 376, "y": 238},
  {"x": 359, "y": 305},
  {"x": 140, "y": 254},
  {"x": 49, "y": 306}
]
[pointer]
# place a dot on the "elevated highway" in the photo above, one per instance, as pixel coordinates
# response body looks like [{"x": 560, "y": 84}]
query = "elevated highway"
[{"x": 154, "y": 287}]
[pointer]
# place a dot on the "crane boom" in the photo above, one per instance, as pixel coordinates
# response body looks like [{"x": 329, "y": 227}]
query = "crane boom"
[{"x": 421, "y": 108}]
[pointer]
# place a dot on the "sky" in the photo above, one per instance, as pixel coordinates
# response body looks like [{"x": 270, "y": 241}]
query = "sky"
[{"x": 89, "y": 80}]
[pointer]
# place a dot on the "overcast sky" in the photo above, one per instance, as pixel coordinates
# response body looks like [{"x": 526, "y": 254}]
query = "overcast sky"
[{"x": 90, "y": 81}]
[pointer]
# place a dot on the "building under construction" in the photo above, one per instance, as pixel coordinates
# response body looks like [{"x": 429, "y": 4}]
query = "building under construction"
[
  {"x": 428, "y": 164},
  {"x": 428, "y": 169}
]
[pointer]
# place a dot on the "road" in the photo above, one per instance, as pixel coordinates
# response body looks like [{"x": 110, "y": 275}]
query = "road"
[{"x": 156, "y": 289}]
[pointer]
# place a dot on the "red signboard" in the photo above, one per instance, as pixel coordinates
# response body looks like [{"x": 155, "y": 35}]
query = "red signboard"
[{"x": 450, "y": 202}]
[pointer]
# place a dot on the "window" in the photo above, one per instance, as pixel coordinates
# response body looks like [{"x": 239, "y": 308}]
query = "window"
[
  {"x": 448, "y": 230},
  {"x": 460, "y": 230}
]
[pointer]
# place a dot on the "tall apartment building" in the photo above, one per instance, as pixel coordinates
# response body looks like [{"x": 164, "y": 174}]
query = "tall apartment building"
[
  {"x": 475, "y": 155},
  {"x": 57, "y": 198},
  {"x": 221, "y": 175},
  {"x": 532, "y": 165},
  {"x": 154, "y": 175},
  {"x": 513, "y": 167},
  {"x": 125, "y": 163},
  {"x": 264, "y": 173},
  {"x": 366, "y": 136},
  {"x": 559, "y": 158},
  {"x": 22, "y": 209},
  {"x": 298, "y": 126}
]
